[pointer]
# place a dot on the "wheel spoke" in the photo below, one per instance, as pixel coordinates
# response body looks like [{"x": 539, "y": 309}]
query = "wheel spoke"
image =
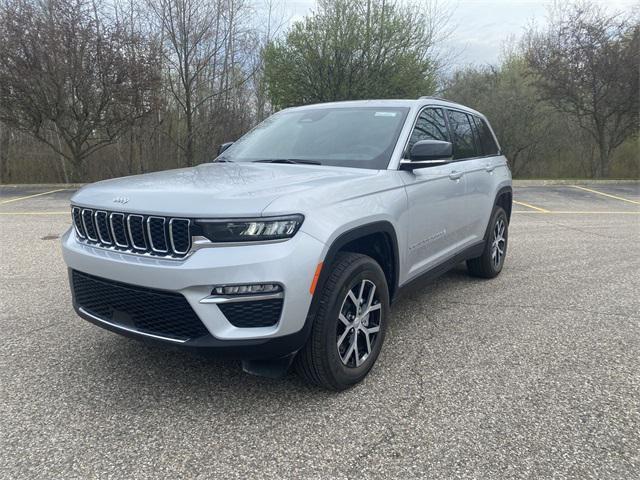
[
  {"x": 355, "y": 349},
  {"x": 368, "y": 342},
  {"x": 361, "y": 292},
  {"x": 343, "y": 336},
  {"x": 344, "y": 320},
  {"x": 375, "y": 329},
  {"x": 353, "y": 298},
  {"x": 372, "y": 293},
  {"x": 373, "y": 308},
  {"x": 351, "y": 349}
]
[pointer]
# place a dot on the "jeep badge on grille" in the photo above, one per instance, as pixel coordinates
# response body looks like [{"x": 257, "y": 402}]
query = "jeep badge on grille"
[{"x": 121, "y": 200}]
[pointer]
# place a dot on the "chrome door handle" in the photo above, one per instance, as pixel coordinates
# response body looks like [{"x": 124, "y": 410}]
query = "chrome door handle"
[
  {"x": 455, "y": 175},
  {"x": 489, "y": 167}
]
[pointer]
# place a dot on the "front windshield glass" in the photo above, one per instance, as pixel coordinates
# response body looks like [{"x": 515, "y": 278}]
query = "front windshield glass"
[{"x": 362, "y": 137}]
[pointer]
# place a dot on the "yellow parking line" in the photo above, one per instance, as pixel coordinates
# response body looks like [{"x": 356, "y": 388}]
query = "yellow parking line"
[
  {"x": 31, "y": 196},
  {"x": 606, "y": 194},
  {"x": 541, "y": 210},
  {"x": 581, "y": 212},
  {"x": 35, "y": 213}
]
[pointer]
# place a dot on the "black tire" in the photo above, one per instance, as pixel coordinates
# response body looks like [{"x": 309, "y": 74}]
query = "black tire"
[
  {"x": 485, "y": 265},
  {"x": 319, "y": 361}
]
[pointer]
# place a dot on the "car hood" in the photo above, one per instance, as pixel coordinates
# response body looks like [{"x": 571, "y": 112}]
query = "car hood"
[{"x": 218, "y": 189}]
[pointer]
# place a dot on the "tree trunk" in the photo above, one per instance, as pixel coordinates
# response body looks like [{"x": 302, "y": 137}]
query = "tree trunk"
[
  {"x": 604, "y": 160},
  {"x": 4, "y": 153},
  {"x": 76, "y": 168},
  {"x": 189, "y": 145},
  {"x": 63, "y": 161}
]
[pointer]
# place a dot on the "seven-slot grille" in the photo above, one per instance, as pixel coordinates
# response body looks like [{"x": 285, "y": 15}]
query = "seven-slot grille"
[{"x": 169, "y": 237}]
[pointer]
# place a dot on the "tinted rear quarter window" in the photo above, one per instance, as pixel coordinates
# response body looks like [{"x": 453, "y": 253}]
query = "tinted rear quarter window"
[
  {"x": 487, "y": 142},
  {"x": 464, "y": 145}
]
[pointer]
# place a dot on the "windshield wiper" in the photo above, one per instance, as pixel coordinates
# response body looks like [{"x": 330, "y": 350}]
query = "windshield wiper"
[
  {"x": 289, "y": 160},
  {"x": 223, "y": 160}
]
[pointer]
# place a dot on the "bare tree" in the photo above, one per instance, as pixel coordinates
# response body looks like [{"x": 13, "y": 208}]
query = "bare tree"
[
  {"x": 193, "y": 39},
  {"x": 66, "y": 74},
  {"x": 586, "y": 64},
  {"x": 209, "y": 56}
]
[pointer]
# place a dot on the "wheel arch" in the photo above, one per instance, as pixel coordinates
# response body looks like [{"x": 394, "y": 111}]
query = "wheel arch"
[
  {"x": 376, "y": 239},
  {"x": 504, "y": 199}
]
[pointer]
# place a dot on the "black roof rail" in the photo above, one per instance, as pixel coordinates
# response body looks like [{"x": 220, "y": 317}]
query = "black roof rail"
[{"x": 433, "y": 97}]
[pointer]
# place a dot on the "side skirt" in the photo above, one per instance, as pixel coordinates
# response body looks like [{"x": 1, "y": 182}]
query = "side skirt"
[{"x": 471, "y": 252}]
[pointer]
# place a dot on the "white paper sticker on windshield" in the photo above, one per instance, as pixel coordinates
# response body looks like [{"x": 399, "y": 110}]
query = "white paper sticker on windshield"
[{"x": 386, "y": 114}]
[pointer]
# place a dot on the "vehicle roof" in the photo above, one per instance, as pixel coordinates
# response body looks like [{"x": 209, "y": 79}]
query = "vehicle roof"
[{"x": 407, "y": 103}]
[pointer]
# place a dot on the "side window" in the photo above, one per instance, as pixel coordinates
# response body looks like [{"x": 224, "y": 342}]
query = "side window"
[
  {"x": 487, "y": 141},
  {"x": 429, "y": 126},
  {"x": 462, "y": 132}
]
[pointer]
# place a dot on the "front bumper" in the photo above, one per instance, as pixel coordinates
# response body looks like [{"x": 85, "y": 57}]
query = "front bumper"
[{"x": 291, "y": 263}]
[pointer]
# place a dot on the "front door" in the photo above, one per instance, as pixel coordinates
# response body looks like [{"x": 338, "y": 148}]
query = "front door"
[{"x": 436, "y": 201}]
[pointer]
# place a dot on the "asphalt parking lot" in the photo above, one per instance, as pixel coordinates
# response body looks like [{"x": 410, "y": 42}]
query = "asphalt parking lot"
[{"x": 535, "y": 374}]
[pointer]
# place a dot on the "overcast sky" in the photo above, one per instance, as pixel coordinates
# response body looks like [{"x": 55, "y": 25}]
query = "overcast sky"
[{"x": 481, "y": 26}]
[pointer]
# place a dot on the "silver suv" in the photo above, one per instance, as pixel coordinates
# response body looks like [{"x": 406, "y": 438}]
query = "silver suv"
[{"x": 291, "y": 245}]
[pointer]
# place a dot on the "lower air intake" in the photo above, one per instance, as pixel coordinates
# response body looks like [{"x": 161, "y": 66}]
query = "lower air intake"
[
  {"x": 252, "y": 314},
  {"x": 145, "y": 310}
]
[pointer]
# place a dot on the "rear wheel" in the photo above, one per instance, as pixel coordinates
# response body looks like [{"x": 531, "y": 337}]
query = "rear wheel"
[
  {"x": 349, "y": 326},
  {"x": 490, "y": 263}
]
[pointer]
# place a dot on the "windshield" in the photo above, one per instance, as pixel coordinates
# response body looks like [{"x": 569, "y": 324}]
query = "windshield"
[{"x": 362, "y": 137}]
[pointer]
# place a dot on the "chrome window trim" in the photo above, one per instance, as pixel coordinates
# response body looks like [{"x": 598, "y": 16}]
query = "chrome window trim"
[
  {"x": 173, "y": 246},
  {"x": 84, "y": 224},
  {"x": 133, "y": 243},
  {"x": 444, "y": 108},
  {"x": 73, "y": 219},
  {"x": 153, "y": 247},
  {"x": 95, "y": 218},
  {"x": 115, "y": 237},
  {"x": 413, "y": 127}
]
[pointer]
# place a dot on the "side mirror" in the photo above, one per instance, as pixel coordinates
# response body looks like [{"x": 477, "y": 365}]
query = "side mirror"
[
  {"x": 428, "y": 153},
  {"x": 223, "y": 147}
]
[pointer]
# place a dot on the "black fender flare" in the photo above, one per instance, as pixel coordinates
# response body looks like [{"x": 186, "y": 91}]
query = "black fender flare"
[
  {"x": 345, "y": 238},
  {"x": 499, "y": 193}
]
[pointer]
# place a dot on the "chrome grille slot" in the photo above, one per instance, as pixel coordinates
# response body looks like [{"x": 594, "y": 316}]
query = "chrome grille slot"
[
  {"x": 102, "y": 226},
  {"x": 118, "y": 229},
  {"x": 89, "y": 226},
  {"x": 157, "y": 235},
  {"x": 148, "y": 235},
  {"x": 135, "y": 225},
  {"x": 179, "y": 235},
  {"x": 76, "y": 215}
]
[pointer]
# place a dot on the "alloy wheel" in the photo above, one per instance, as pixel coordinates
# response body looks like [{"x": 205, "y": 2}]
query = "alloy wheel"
[
  {"x": 360, "y": 320},
  {"x": 499, "y": 244}
]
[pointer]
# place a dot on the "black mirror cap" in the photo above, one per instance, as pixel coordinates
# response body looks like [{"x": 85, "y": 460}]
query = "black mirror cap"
[
  {"x": 223, "y": 147},
  {"x": 428, "y": 153},
  {"x": 424, "y": 150}
]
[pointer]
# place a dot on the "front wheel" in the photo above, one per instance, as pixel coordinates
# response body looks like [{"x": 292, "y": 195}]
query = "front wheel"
[
  {"x": 349, "y": 326},
  {"x": 490, "y": 263}
]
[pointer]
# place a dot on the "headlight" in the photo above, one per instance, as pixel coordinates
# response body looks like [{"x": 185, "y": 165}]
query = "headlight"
[{"x": 250, "y": 230}]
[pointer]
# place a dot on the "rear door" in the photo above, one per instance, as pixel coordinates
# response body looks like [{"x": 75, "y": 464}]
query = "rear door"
[
  {"x": 481, "y": 184},
  {"x": 436, "y": 196},
  {"x": 470, "y": 160}
]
